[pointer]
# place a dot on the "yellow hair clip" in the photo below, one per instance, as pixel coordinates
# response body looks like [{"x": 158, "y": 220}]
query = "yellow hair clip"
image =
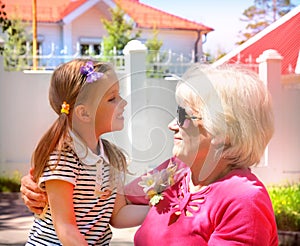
[{"x": 65, "y": 108}]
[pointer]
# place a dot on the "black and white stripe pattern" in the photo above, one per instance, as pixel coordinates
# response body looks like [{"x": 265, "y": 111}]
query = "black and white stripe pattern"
[{"x": 92, "y": 213}]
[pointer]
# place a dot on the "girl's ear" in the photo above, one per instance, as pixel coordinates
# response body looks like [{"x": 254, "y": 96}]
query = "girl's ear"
[{"x": 82, "y": 113}]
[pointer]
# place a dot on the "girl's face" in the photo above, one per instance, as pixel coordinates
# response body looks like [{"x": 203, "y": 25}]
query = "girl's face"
[
  {"x": 191, "y": 140},
  {"x": 109, "y": 113}
]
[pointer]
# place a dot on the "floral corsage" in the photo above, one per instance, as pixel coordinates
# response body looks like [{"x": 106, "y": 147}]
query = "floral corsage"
[{"x": 154, "y": 184}]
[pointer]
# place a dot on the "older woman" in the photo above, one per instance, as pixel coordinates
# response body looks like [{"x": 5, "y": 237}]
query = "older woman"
[{"x": 223, "y": 126}]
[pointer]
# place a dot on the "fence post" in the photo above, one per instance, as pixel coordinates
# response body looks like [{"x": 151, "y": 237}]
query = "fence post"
[
  {"x": 270, "y": 73},
  {"x": 135, "y": 84},
  {"x": 135, "y": 62},
  {"x": 270, "y": 68}
]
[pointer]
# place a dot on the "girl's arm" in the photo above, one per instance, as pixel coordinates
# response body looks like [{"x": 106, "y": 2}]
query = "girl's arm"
[
  {"x": 134, "y": 193},
  {"x": 127, "y": 215},
  {"x": 60, "y": 198}
]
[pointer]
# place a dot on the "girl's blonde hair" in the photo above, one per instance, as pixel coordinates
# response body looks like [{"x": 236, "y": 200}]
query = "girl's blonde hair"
[
  {"x": 66, "y": 83},
  {"x": 235, "y": 107}
]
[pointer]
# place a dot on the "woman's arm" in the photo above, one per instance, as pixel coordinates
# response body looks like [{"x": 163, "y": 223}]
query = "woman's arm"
[
  {"x": 60, "y": 197},
  {"x": 34, "y": 198},
  {"x": 127, "y": 215}
]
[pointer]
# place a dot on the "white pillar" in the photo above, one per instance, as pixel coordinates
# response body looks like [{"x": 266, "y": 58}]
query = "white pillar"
[
  {"x": 135, "y": 68},
  {"x": 270, "y": 73},
  {"x": 67, "y": 39},
  {"x": 270, "y": 68},
  {"x": 135, "y": 62}
]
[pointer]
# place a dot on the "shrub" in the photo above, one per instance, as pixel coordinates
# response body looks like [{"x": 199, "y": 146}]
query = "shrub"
[
  {"x": 286, "y": 204},
  {"x": 10, "y": 183}
]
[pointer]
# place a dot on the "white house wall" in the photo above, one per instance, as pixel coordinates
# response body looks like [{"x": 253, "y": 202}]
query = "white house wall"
[
  {"x": 50, "y": 34},
  {"x": 88, "y": 25},
  {"x": 179, "y": 41},
  {"x": 65, "y": 36}
]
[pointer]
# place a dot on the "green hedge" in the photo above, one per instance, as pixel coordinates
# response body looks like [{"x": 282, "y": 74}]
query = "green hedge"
[
  {"x": 10, "y": 183},
  {"x": 286, "y": 204}
]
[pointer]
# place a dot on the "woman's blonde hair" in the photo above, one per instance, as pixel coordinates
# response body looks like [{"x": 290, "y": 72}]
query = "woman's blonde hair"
[
  {"x": 69, "y": 84},
  {"x": 235, "y": 107}
]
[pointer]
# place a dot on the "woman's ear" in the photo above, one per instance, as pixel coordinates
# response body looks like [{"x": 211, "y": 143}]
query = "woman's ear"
[
  {"x": 216, "y": 141},
  {"x": 82, "y": 113},
  {"x": 219, "y": 141}
]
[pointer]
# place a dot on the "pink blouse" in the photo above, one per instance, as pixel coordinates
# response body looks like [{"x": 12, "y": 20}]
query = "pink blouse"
[{"x": 235, "y": 210}]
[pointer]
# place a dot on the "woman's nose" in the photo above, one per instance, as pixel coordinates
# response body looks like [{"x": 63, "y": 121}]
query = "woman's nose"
[{"x": 173, "y": 126}]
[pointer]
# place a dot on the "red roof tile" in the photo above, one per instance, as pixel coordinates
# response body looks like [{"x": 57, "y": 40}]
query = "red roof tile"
[
  {"x": 143, "y": 15},
  {"x": 47, "y": 11},
  {"x": 148, "y": 17},
  {"x": 283, "y": 36}
]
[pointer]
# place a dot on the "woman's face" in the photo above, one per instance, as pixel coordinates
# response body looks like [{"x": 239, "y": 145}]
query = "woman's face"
[{"x": 191, "y": 140}]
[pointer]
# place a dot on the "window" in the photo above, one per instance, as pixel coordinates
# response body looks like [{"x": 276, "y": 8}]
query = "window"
[
  {"x": 29, "y": 48},
  {"x": 90, "y": 49},
  {"x": 90, "y": 46}
]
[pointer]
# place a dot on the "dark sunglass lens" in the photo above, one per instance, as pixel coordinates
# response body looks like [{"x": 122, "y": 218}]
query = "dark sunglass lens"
[{"x": 181, "y": 115}]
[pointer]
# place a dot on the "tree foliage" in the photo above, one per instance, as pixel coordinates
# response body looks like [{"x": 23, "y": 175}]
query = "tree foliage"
[
  {"x": 154, "y": 43},
  {"x": 5, "y": 23},
  {"x": 261, "y": 14},
  {"x": 15, "y": 45},
  {"x": 119, "y": 31},
  {"x": 15, "y": 37},
  {"x": 153, "y": 46}
]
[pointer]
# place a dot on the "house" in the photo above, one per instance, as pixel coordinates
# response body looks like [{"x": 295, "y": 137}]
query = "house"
[
  {"x": 282, "y": 36},
  {"x": 274, "y": 53},
  {"x": 74, "y": 26}
]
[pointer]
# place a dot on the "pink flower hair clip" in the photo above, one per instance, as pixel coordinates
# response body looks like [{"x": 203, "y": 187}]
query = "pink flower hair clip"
[{"x": 90, "y": 73}]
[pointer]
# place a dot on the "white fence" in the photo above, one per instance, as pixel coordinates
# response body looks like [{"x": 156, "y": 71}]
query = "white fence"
[
  {"x": 158, "y": 63},
  {"x": 26, "y": 114}
]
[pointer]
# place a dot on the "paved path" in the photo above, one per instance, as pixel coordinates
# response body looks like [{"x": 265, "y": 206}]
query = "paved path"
[{"x": 16, "y": 221}]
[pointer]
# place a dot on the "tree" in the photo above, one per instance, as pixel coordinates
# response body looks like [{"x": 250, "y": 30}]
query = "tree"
[
  {"x": 211, "y": 58},
  {"x": 262, "y": 14},
  {"x": 5, "y": 23},
  {"x": 15, "y": 40},
  {"x": 119, "y": 32},
  {"x": 15, "y": 46},
  {"x": 153, "y": 45}
]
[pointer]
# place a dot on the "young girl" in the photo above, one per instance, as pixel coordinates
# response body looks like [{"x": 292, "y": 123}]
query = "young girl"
[{"x": 80, "y": 171}]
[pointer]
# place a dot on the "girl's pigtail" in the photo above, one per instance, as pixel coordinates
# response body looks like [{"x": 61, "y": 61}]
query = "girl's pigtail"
[{"x": 53, "y": 139}]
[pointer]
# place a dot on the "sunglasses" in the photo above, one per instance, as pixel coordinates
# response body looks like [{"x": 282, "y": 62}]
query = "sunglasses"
[{"x": 182, "y": 116}]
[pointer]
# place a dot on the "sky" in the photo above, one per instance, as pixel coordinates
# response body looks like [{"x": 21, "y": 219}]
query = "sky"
[{"x": 221, "y": 15}]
